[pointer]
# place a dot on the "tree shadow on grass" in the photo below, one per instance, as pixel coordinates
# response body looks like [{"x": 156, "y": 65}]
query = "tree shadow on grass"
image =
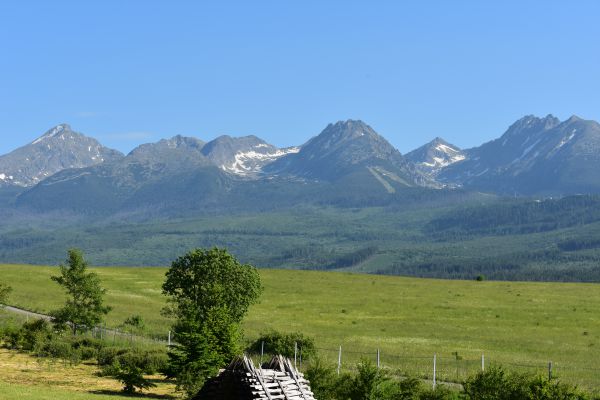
[{"x": 136, "y": 395}]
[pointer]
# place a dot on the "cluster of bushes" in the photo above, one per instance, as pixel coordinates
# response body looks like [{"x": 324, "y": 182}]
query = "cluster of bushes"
[
  {"x": 128, "y": 365},
  {"x": 286, "y": 344},
  {"x": 371, "y": 383},
  {"x": 39, "y": 338},
  {"x": 497, "y": 383}
]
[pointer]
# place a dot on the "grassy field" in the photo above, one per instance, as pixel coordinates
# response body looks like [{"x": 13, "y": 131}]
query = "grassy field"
[
  {"x": 26, "y": 377},
  {"x": 522, "y": 325}
]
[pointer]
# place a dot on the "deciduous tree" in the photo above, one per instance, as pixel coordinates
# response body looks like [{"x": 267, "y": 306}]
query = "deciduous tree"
[
  {"x": 84, "y": 306},
  {"x": 209, "y": 292}
]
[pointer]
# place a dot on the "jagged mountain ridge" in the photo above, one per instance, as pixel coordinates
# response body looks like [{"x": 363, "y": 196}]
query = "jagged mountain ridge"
[
  {"x": 541, "y": 156},
  {"x": 187, "y": 173},
  {"x": 536, "y": 156},
  {"x": 58, "y": 149}
]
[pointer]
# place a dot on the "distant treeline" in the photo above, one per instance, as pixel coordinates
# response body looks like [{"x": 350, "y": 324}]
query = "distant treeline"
[
  {"x": 516, "y": 217},
  {"x": 546, "y": 265}
]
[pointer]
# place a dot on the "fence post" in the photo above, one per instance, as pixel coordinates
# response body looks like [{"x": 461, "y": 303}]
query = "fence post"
[
  {"x": 262, "y": 351},
  {"x": 295, "y": 355},
  {"x": 377, "y": 358},
  {"x": 550, "y": 370},
  {"x": 434, "y": 369},
  {"x": 169, "y": 339},
  {"x": 339, "y": 361},
  {"x": 482, "y": 363}
]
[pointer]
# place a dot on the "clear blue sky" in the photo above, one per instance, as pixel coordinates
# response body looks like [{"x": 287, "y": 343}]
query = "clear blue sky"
[{"x": 129, "y": 72}]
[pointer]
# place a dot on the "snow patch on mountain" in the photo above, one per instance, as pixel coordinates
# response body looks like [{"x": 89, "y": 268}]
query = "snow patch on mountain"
[
  {"x": 436, "y": 155},
  {"x": 251, "y": 162},
  {"x": 526, "y": 151},
  {"x": 566, "y": 140}
]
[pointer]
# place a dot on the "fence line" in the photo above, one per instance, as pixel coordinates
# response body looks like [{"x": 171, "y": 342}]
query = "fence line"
[{"x": 449, "y": 368}]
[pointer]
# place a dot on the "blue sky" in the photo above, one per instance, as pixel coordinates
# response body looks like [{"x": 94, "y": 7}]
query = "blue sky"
[{"x": 130, "y": 72}]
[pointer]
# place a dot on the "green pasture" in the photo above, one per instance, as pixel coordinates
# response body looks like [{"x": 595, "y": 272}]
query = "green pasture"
[
  {"x": 522, "y": 325},
  {"x": 32, "y": 392}
]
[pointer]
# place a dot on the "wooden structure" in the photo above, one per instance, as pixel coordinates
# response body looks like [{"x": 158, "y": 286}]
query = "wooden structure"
[{"x": 241, "y": 380}]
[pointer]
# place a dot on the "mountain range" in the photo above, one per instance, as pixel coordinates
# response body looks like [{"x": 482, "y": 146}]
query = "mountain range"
[
  {"x": 347, "y": 162},
  {"x": 344, "y": 200}
]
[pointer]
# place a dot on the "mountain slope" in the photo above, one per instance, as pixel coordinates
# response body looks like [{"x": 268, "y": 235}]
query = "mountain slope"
[
  {"x": 352, "y": 151},
  {"x": 165, "y": 174},
  {"x": 58, "y": 149},
  {"x": 435, "y": 155},
  {"x": 540, "y": 156}
]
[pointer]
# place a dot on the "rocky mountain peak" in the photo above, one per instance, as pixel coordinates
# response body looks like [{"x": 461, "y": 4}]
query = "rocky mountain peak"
[
  {"x": 58, "y": 130},
  {"x": 243, "y": 156},
  {"x": 57, "y": 149},
  {"x": 348, "y": 130},
  {"x": 435, "y": 155}
]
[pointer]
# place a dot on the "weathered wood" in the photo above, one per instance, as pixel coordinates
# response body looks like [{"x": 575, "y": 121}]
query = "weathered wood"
[{"x": 241, "y": 380}]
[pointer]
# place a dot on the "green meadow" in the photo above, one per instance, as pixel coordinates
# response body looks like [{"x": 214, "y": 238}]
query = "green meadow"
[{"x": 522, "y": 325}]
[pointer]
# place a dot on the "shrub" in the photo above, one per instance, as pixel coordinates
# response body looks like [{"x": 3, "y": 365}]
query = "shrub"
[
  {"x": 31, "y": 336},
  {"x": 108, "y": 355},
  {"x": 129, "y": 366},
  {"x": 322, "y": 378},
  {"x": 369, "y": 383},
  {"x": 283, "y": 343},
  {"x": 135, "y": 321},
  {"x": 496, "y": 383},
  {"x": 88, "y": 353}
]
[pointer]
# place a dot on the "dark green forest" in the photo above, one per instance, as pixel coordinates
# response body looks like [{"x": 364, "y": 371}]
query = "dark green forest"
[{"x": 455, "y": 236}]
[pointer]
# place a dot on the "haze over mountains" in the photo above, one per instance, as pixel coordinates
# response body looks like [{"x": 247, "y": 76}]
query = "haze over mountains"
[{"x": 63, "y": 169}]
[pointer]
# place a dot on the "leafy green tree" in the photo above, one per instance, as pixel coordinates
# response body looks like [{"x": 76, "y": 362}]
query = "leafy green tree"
[
  {"x": 209, "y": 292},
  {"x": 84, "y": 307}
]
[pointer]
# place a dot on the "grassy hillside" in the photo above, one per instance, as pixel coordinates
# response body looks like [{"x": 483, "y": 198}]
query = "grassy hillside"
[{"x": 524, "y": 325}]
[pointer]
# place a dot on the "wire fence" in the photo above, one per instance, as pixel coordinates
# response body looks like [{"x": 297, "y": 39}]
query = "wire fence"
[
  {"x": 443, "y": 368},
  {"x": 438, "y": 367}
]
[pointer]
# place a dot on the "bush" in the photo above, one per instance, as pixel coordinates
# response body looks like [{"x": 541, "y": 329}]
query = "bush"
[
  {"x": 108, "y": 355},
  {"x": 135, "y": 321},
  {"x": 129, "y": 366},
  {"x": 283, "y": 343},
  {"x": 88, "y": 353},
  {"x": 496, "y": 383},
  {"x": 31, "y": 336},
  {"x": 322, "y": 378}
]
